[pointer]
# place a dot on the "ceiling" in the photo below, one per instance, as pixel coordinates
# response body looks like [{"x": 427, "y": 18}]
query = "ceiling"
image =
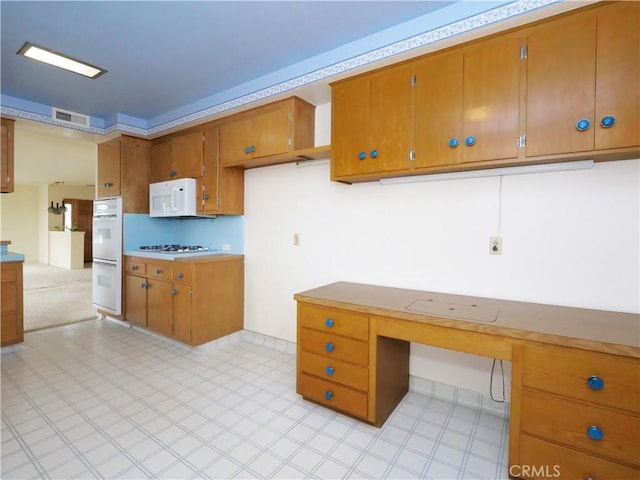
[{"x": 168, "y": 61}]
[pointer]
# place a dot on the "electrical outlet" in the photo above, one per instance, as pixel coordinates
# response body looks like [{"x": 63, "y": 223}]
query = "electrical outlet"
[
  {"x": 495, "y": 245},
  {"x": 226, "y": 247},
  {"x": 296, "y": 239}
]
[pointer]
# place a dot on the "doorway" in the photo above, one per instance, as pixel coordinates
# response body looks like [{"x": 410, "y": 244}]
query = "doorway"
[{"x": 79, "y": 217}]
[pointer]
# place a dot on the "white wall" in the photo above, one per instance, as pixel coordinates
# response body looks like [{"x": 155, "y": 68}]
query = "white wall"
[
  {"x": 570, "y": 238},
  {"x": 19, "y": 220}
]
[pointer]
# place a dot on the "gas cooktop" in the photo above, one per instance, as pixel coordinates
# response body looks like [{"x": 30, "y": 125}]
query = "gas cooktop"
[{"x": 174, "y": 248}]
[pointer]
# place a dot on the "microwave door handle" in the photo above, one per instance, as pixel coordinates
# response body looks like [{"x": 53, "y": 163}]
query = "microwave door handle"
[{"x": 173, "y": 199}]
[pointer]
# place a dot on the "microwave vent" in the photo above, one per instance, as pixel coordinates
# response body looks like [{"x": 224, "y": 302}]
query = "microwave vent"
[{"x": 73, "y": 118}]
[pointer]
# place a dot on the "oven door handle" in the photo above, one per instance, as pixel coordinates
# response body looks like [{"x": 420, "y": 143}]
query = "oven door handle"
[{"x": 105, "y": 264}]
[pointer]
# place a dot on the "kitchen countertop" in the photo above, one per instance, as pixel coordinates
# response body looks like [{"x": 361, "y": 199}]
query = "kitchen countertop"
[
  {"x": 179, "y": 256},
  {"x": 611, "y": 332},
  {"x": 6, "y": 255}
]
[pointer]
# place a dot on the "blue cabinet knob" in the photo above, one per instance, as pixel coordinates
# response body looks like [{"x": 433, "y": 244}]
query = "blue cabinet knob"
[
  {"x": 374, "y": 153},
  {"x": 329, "y": 347},
  {"x": 329, "y": 370},
  {"x": 174, "y": 291},
  {"x": 158, "y": 271},
  {"x": 142, "y": 285},
  {"x": 454, "y": 142},
  {"x": 172, "y": 173},
  {"x": 329, "y": 322},
  {"x": 328, "y": 394},
  {"x": 205, "y": 196},
  {"x": 595, "y": 433},
  {"x": 595, "y": 383},
  {"x": 180, "y": 275},
  {"x": 362, "y": 155},
  {"x": 253, "y": 149},
  {"x": 247, "y": 149},
  {"x": 583, "y": 124},
  {"x": 608, "y": 121},
  {"x": 470, "y": 141}
]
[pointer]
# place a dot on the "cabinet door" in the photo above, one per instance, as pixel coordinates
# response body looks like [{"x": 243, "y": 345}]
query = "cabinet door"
[
  {"x": 491, "y": 100},
  {"x": 438, "y": 110},
  {"x": 181, "y": 312},
  {"x": 135, "y": 178},
  {"x": 159, "y": 307},
  {"x": 108, "y": 169},
  {"x": 187, "y": 155},
  {"x": 235, "y": 144},
  {"x": 349, "y": 126},
  {"x": 135, "y": 294},
  {"x": 270, "y": 131},
  {"x": 618, "y": 76},
  {"x": 161, "y": 160},
  {"x": 210, "y": 179},
  {"x": 6, "y": 157},
  {"x": 561, "y": 87}
]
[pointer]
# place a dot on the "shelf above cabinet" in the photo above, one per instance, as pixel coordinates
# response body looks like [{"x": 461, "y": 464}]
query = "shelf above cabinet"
[{"x": 306, "y": 154}]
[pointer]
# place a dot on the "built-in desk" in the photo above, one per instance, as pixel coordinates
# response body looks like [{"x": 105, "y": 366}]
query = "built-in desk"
[{"x": 575, "y": 390}]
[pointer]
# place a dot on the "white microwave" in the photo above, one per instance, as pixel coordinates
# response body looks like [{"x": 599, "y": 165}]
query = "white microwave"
[{"x": 174, "y": 198}]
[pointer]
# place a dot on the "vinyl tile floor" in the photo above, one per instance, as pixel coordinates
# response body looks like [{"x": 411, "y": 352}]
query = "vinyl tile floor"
[{"x": 99, "y": 400}]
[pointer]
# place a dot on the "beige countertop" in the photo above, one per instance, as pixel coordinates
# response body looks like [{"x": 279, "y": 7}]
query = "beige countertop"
[{"x": 611, "y": 332}]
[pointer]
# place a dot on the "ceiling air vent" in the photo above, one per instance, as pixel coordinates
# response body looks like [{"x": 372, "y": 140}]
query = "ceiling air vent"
[{"x": 70, "y": 117}]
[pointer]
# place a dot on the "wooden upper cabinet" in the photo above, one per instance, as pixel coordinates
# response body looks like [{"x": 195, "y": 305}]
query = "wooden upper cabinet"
[
  {"x": 6, "y": 156},
  {"x": 371, "y": 123},
  {"x": 276, "y": 129},
  {"x": 583, "y": 82},
  {"x": 467, "y": 104},
  {"x": 222, "y": 187},
  {"x": 123, "y": 170},
  {"x": 108, "y": 169},
  {"x": 177, "y": 156}
]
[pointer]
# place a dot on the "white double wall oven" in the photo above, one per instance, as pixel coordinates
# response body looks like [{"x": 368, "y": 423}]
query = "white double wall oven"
[{"x": 107, "y": 255}]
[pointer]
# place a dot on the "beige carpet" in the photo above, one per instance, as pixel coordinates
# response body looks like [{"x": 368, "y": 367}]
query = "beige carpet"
[{"x": 54, "y": 296}]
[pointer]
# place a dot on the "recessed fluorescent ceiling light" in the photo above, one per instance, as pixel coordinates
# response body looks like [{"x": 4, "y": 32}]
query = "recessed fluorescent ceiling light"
[{"x": 58, "y": 60}]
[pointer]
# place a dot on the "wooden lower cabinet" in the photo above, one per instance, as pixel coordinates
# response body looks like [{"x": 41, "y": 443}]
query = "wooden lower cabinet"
[
  {"x": 342, "y": 365},
  {"x": 11, "y": 314},
  {"x": 194, "y": 300},
  {"x": 576, "y": 411}
]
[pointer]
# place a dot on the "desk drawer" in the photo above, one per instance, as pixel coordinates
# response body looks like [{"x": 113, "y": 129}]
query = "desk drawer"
[
  {"x": 333, "y": 395},
  {"x": 335, "y": 371},
  {"x": 334, "y": 321},
  {"x": 567, "y": 422},
  {"x": 615, "y": 381},
  {"x": 554, "y": 461},
  {"x": 334, "y": 347}
]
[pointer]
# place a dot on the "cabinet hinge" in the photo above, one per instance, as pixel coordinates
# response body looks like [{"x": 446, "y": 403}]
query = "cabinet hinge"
[
  {"x": 413, "y": 82},
  {"x": 204, "y": 137},
  {"x": 290, "y": 116},
  {"x": 524, "y": 52},
  {"x": 522, "y": 141},
  {"x": 412, "y": 155},
  {"x": 289, "y": 142}
]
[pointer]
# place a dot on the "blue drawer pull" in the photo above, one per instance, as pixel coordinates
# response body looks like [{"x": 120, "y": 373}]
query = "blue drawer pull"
[
  {"x": 253, "y": 149},
  {"x": 328, "y": 394},
  {"x": 247, "y": 149},
  {"x": 595, "y": 433},
  {"x": 158, "y": 271},
  {"x": 608, "y": 121},
  {"x": 595, "y": 383},
  {"x": 172, "y": 173},
  {"x": 329, "y": 322},
  {"x": 470, "y": 141},
  {"x": 329, "y": 347},
  {"x": 374, "y": 153},
  {"x": 362, "y": 155},
  {"x": 329, "y": 370},
  {"x": 205, "y": 196},
  {"x": 180, "y": 275},
  {"x": 454, "y": 142},
  {"x": 583, "y": 124},
  {"x": 174, "y": 291}
]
